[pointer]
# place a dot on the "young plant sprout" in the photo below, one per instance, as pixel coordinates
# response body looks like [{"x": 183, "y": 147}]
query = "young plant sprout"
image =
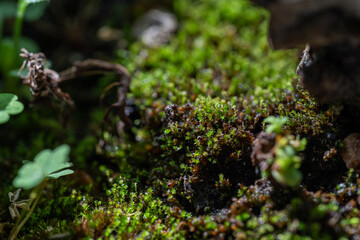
[
  {"x": 277, "y": 155},
  {"x": 275, "y": 124},
  {"x": 285, "y": 168},
  {"x": 48, "y": 164}
]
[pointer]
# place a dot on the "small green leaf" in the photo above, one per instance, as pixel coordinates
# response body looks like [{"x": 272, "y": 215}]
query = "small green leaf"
[
  {"x": 291, "y": 177},
  {"x": 29, "y": 176},
  {"x": 60, "y": 174},
  {"x": 9, "y": 106},
  {"x": 35, "y": 11},
  {"x": 42, "y": 158},
  {"x": 46, "y": 164},
  {"x": 21, "y": 8},
  {"x": 275, "y": 124},
  {"x": 58, "y": 160},
  {"x": 7, "y": 9},
  {"x": 15, "y": 107},
  {"x": 61, "y": 153},
  {"x": 4, "y": 117},
  {"x": 56, "y": 166}
]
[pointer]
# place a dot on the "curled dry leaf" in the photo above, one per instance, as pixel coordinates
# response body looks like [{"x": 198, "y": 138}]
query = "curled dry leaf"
[{"x": 13, "y": 209}]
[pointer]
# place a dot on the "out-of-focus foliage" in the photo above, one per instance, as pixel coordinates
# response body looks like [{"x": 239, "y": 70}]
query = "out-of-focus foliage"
[
  {"x": 9, "y": 106},
  {"x": 10, "y": 47},
  {"x": 46, "y": 164}
]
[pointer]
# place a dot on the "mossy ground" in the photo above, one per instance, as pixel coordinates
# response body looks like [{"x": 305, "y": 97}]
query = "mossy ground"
[{"x": 185, "y": 171}]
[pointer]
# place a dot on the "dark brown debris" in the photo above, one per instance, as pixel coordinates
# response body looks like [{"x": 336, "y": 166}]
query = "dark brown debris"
[
  {"x": 318, "y": 23},
  {"x": 263, "y": 149},
  {"x": 332, "y": 73},
  {"x": 351, "y": 151},
  {"x": 42, "y": 82},
  {"x": 99, "y": 67},
  {"x": 331, "y": 153}
]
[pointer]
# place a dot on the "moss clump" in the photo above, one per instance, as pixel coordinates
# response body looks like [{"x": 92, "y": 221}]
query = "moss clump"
[
  {"x": 130, "y": 213},
  {"x": 277, "y": 155},
  {"x": 201, "y": 142},
  {"x": 214, "y": 53},
  {"x": 256, "y": 214}
]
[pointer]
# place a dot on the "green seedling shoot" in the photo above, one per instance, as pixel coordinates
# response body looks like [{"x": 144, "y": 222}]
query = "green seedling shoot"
[
  {"x": 286, "y": 164},
  {"x": 10, "y": 48},
  {"x": 48, "y": 164},
  {"x": 275, "y": 124}
]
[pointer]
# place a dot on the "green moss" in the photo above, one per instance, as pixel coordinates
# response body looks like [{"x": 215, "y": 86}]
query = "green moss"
[
  {"x": 214, "y": 53},
  {"x": 185, "y": 170},
  {"x": 131, "y": 213},
  {"x": 203, "y": 142}
]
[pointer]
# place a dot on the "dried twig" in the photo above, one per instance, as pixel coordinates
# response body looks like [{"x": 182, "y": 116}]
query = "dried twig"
[
  {"x": 45, "y": 82},
  {"x": 94, "y": 67}
]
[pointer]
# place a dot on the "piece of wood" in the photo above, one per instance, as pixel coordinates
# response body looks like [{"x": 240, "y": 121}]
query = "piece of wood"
[{"x": 294, "y": 23}]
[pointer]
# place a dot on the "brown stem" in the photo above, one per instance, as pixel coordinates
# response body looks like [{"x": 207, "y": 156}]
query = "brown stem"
[
  {"x": 16, "y": 229},
  {"x": 93, "y": 67}
]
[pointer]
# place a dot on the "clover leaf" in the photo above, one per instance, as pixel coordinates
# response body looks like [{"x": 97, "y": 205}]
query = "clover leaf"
[
  {"x": 46, "y": 164},
  {"x": 9, "y": 106}
]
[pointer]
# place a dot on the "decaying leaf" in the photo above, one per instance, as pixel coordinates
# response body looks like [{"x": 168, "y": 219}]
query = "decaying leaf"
[{"x": 13, "y": 209}]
